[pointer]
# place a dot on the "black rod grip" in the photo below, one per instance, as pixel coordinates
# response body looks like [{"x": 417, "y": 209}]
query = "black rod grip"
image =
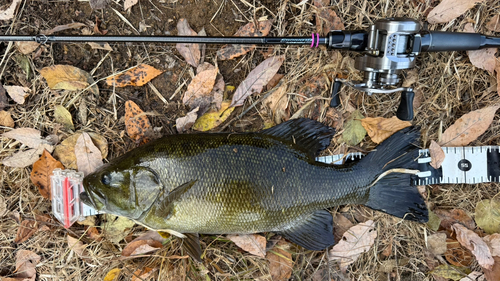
[
  {"x": 335, "y": 101},
  {"x": 441, "y": 41},
  {"x": 405, "y": 109}
]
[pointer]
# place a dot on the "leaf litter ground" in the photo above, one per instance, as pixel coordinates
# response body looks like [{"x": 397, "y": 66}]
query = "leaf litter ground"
[{"x": 448, "y": 86}]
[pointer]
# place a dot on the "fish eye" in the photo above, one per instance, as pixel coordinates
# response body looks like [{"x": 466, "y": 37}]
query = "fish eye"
[{"x": 106, "y": 179}]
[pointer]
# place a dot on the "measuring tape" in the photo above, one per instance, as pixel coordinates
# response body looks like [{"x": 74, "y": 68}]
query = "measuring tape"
[{"x": 468, "y": 165}]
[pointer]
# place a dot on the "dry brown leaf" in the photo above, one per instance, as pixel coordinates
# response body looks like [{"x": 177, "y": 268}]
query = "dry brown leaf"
[
  {"x": 9, "y": 12},
  {"x": 98, "y": 4},
  {"x": 327, "y": 19},
  {"x": 68, "y": 77},
  {"x": 436, "y": 243},
  {"x": 136, "y": 122},
  {"x": 3, "y": 98},
  {"x": 140, "y": 247},
  {"x": 252, "y": 243},
  {"x": 65, "y": 151},
  {"x": 280, "y": 261},
  {"x": 470, "y": 240},
  {"x": 199, "y": 90},
  {"x": 63, "y": 117},
  {"x": 357, "y": 240},
  {"x": 25, "y": 231},
  {"x": 274, "y": 81},
  {"x": 473, "y": 276},
  {"x": 63, "y": 27},
  {"x": 493, "y": 242},
  {"x": 450, "y": 217},
  {"x": 190, "y": 52},
  {"x": 184, "y": 123},
  {"x": 41, "y": 172},
  {"x": 277, "y": 103},
  {"x": 143, "y": 274},
  {"x": 448, "y": 10},
  {"x": 88, "y": 156},
  {"x": 380, "y": 128},
  {"x": 437, "y": 155},
  {"x": 493, "y": 274},
  {"x": 24, "y": 158},
  {"x": 77, "y": 246},
  {"x": 100, "y": 46},
  {"x": 6, "y": 119},
  {"x": 494, "y": 24},
  {"x": 17, "y": 93},
  {"x": 26, "y": 262},
  {"x": 93, "y": 233},
  {"x": 150, "y": 235},
  {"x": 127, "y": 4},
  {"x": 27, "y": 47},
  {"x": 232, "y": 51},
  {"x": 411, "y": 78},
  {"x": 27, "y": 136},
  {"x": 484, "y": 58},
  {"x": 137, "y": 76},
  {"x": 257, "y": 79},
  {"x": 468, "y": 127}
]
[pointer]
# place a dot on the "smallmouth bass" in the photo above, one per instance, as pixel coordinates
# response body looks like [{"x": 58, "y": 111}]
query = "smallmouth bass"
[{"x": 254, "y": 182}]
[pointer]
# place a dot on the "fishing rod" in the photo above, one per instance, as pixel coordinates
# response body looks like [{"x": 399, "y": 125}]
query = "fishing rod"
[{"x": 388, "y": 46}]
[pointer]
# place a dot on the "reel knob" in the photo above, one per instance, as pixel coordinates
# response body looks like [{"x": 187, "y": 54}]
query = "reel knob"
[{"x": 405, "y": 109}]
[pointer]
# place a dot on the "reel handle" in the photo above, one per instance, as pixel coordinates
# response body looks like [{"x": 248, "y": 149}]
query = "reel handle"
[
  {"x": 335, "y": 101},
  {"x": 405, "y": 109}
]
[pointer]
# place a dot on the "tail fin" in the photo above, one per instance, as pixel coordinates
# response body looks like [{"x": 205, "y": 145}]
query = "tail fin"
[{"x": 394, "y": 194}]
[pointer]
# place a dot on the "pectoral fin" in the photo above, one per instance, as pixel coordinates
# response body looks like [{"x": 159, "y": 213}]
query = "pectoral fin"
[
  {"x": 192, "y": 245},
  {"x": 314, "y": 232},
  {"x": 165, "y": 206}
]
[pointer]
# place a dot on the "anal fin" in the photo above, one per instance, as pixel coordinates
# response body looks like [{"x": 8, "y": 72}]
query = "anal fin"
[
  {"x": 192, "y": 245},
  {"x": 314, "y": 232}
]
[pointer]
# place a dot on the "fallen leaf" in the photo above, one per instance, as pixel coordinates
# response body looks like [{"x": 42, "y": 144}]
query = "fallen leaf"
[
  {"x": 280, "y": 261},
  {"x": 27, "y": 47},
  {"x": 63, "y": 117},
  {"x": 357, "y": 240},
  {"x": 65, "y": 151},
  {"x": 213, "y": 119},
  {"x": 470, "y": 240},
  {"x": 6, "y": 119},
  {"x": 151, "y": 235},
  {"x": 27, "y": 136},
  {"x": 327, "y": 19},
  {"x": 277, "y": 102},
  {"x": 410, "y": 78},
  {"x": 456, "y": 254},
  {"x": 436, "y": 243},
  {"x": 494, "y": 24},
  {"x": 3, "y": 98},
  {"x": 88, "y": 156},
  {"x": 468, "y": 127},
  {"x": 274, "y": 81},
  {"x": 116, "y": 228},
  {"x": 493, "y": 241},
  {"x": 98, "y": 4},
  {"x": 93, "y": 233},
  {"x": 136, "y": 122},
  {"x": 449, "y": 271},
  {"x": 354, "y": 132},
  {"x": 77, "y": 246},
  {"x": 199, "y": 90},
  {"x": 24, "y": 158},
  {"x": 190, "y": 52},
  {"x": 473, "y": 276},
  {"x": 41, "y": 172},
  {"x": 434, "y": 221},
  {"x": 252, "y": 243},
  {"x": 450, "y": 217},
  {"x": 232, "y": 51},
  {"x": 142, "y": 274},
  {"x": 340, "y": 225},
  {"x": 25, "y": 231},
  {"x": 484, "y": 58},
  {"x": 24, "y": 63},
  {"x": 380, "y": 128},
  {"x": 257, "y": 79},
  {"x": 127, "y": 4},
  {"x": 141, "y": 247},
  {"x": 63, "y": 27},
  {"x": 9, "y": 12},
  {"x": 112, "y": 274},
  {"x": 437, "y": 155},
  {"x": 448, "y": 10},
  {"x": 17, "y": 93},
  {"x": 494, "y": 273},
  {"x": 67, "y": 77},
  {"x": 137, "y": 76},
  {"x": 184, "y": 123},
  {"x": 3, "y": 207},
  {"x": 100, "y": 46},
  {"x": 26, "y": 262},
  {"x": 488, "y": 215}
]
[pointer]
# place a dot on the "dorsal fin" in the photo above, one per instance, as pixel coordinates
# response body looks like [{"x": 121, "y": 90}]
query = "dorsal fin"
[{"x": 310, "y": 135}]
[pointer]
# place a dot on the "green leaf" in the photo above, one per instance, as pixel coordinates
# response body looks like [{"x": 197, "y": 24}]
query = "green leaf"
[
  {"x": 24, "y": 63},
  {"x": 488, "y": 216},
  {"x": 354, "y": 132},
  {"x": 116, "y": 228},
  {"x": 451, "y": 271},
  {"x": 434, "y": 221}
]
